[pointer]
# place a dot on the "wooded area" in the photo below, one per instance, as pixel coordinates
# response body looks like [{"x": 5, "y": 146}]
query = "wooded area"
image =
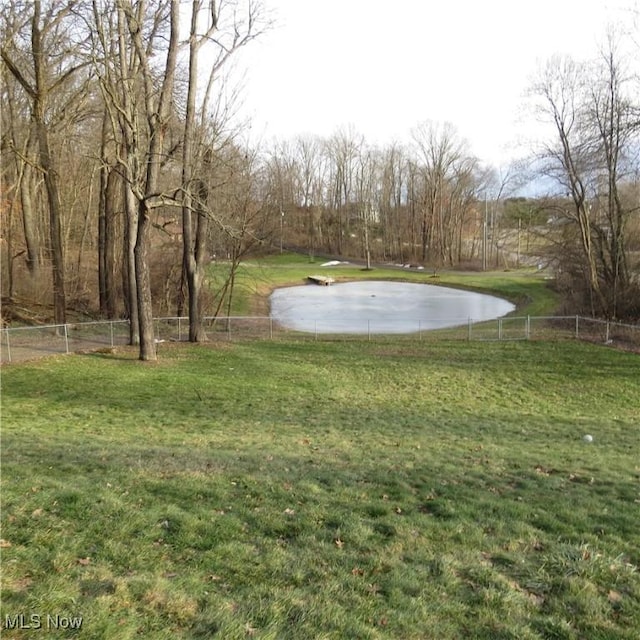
[{"x": 125, "y": 172}]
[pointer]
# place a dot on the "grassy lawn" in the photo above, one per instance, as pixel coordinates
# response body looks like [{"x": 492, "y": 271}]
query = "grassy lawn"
[{"x": 288, "y": 490}]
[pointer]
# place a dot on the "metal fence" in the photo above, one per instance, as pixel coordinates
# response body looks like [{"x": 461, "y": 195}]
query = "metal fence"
[{"x": 19, "y": 344}]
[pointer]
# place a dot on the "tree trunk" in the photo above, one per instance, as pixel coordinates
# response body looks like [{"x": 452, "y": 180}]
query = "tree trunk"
[
  {"x": 28, "y": 216},
  {"x": 102, "y": 252},
  {"x": 108, "y": 198},
  {"x": 129, "y": 271},
  {"x": 158, "y": 113},
  {"x": 191, "y": 246},
  {"x": 106, "y": 241},
  {"x": 55, "y": 227},
  {"x": 50, "y": 171},
  {"x": 143, "y": 286},
  {"x": 110, "y": 231}
]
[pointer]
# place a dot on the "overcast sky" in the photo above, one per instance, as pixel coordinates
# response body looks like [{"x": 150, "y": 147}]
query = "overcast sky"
[{"x": 383, "y": 66}]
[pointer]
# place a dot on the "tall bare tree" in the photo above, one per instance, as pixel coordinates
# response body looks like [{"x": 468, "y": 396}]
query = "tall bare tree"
[
  {"x": 440, "y": 153},
  {"x": 590, "y": 157},
  {"x": 20, "y": 141},
  {"x": 311, "y": 166},
  {"x": 138, "y": 87},
  {"x": 614, "y": 119},
  {"x": 366, "y": 197},
  {"x": 158, "y": 103},
  {"x": 227, "y": 35},
  {"x": 49, "y": 77},
  {"x": 343, "y": 149}
]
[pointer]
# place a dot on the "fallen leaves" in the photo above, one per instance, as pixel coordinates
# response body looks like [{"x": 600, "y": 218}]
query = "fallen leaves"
[
  {"x": 21, "y": 584},
  {"x": 535, "y": 599},
  {"x": 543, "y": 471},
  {"x": 574, "y": 477}
]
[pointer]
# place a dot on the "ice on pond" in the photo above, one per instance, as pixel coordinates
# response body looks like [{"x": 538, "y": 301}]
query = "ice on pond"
[{"x": 381, "y": 307}]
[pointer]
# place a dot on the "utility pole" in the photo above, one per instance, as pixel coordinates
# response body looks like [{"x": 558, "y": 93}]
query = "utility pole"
[
  {"x": 484, "y": 235},
  {"x": 281, "y": 229}
]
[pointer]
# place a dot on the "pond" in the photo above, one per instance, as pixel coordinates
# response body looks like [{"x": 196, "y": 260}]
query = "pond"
[{"x": 381, "y": 307}]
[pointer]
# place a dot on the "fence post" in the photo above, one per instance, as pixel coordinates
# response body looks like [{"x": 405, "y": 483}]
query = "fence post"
[
  {"x": 577, "y": 333},
  {"x": 179, "y": 329},
  {"x": 111, "y": 332},
  {"x": 369, "y": 330},
  {"x": 499, "y": 328},
  {"x": 270, "y": 328},
  {"x": 66, "y": 337},
  {"x": 469, "y": 324},
  {"x": 228, "y": 328},
  {"x": 420, "y": 330},
  {"x": 527, "y": 329},
  {"x": 315, "y": 330},
  {"x": 606, "y": 335}
]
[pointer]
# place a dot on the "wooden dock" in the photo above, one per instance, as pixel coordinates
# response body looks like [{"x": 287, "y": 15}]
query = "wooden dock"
[{"x": 324, "y": 281}]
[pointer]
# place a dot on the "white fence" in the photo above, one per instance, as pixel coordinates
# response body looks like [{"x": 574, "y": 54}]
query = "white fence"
[{"x": 19, "y": 344}]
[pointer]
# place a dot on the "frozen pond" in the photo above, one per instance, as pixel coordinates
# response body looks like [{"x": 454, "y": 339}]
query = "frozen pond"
[{"x": 381, "y": 307}]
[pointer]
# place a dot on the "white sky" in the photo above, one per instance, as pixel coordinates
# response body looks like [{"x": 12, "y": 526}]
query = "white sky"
[{"x": 385, "y": 66}]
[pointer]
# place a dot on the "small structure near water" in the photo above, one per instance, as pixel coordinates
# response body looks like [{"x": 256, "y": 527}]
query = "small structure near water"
[{"x": 325, "y": 281}]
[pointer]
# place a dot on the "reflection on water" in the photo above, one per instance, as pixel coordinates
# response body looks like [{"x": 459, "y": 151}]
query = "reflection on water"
[{"x": 381, "y": 307}]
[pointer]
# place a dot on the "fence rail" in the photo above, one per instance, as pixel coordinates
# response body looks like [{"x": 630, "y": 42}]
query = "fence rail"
[{"x": 18, "y": 344}]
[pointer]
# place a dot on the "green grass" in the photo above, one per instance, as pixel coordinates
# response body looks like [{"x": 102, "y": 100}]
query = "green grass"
[{"x": 288, "y": 489}]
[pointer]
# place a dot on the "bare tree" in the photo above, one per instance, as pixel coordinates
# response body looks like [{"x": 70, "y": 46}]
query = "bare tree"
[
  {"x": 109, "y": 198},
  {"x": 227, "y": 35},
  {"x": 19, "y": 139},
  {"x": 118, "y": 69},
  {"x": 393, "y": 201},
  {"x": 343, "y": 149},
  {"x": 310, "y": 166},
  {"x": 106, "y": 47},
  {"x": 463, "y": 189},
  {"x": 569, "y": 162},
  {"x": 441, "y": 153},
  {"x": 158, "y": 98},
  {"x": 138, "y": 90},
  {"x": 613, "y": 115},
  {"x": 49, "y": 77},
  {"x": 240, "y": 210},
  {"x": 366, "y": 197},
  {"x": 590, "y": 157}
]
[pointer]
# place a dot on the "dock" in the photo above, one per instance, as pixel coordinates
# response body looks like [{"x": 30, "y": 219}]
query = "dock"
[{"x": 324, "y": 281}]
